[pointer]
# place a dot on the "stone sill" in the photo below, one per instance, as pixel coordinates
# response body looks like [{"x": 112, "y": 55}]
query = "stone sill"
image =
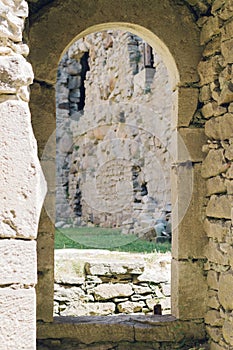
[{"x": 97, "y": 329}]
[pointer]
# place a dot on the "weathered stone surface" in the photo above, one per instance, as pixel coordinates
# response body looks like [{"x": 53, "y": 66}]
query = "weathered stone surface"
[
  {"x": 213, "y": 318},
  {"x": 22, "y": 182},
  {"x": 12, "y": 19},
  {"x": 226, "y": 95},
  {"x": 227, "y": 10},
  {"x": 227, "y": 50},
  {"x": 88, "y": 330},
  {"x": 216, "y": 346},
  {"x": 188, "y": 298},
  {"x": 229, "y": 173},
  {"x": 15, "y": 72},
  {"x": 209, "y": 29},
  {"x": 194, "y": 139},
  {"x": 189, "y": 238},
  {"x": 220, "y": 128},
  {"x": 212, "y": 279},
  {"x": 44, "y": 131},
  {"x": 114, "y": 268},
  {"x": 225, "y": 293},
  {"x": 188, "y": 103},
  {"x": 212, "y": 109},
  {"x": 89, "y": 309},
  {"x": 212, "y": 47},
  {"x": 214, "y": 254},
  {"x": 228, "y": 330},
  {"x": 217, "y": 229},
  {"x": 45, "y": 66},
  {"x": 214, "y": 164},
  {"x": 229, "y": 185},
  {"x": 155, "y": 275},
  {"x": 129, "y": 307},
  {"x": 214, "y": 333},
  {"x": 227, "y": 31},
  {"x": 219, "y": 207},
  {"x": 229, "y": 152},
  {"x": 162, "y": 331},
  {"x": 166, "y": 289},
  {"x": 208, "y": 70},
  {"x": 216, "y": 185},
  {"x": 48, "y": 167},
  {"x": 68, "y": 294},
  {"x": 17, "y": 327},
  {"x": 17, "y": 262},
  {"x": 45, "y": 295},
  {"x": 141, "y": 289},
  {"x": 105, "y": 292}
]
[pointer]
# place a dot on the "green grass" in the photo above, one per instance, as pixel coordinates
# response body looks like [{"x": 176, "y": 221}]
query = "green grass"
[{"x": 104, "y": 238}]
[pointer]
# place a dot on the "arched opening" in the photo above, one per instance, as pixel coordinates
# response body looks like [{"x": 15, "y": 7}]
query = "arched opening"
[
  {"x": 189, "y": 238},
  {"x": 113, "y": 169}
]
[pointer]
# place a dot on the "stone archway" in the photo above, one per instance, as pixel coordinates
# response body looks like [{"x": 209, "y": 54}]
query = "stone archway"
[{"x": 179, "y": 47}]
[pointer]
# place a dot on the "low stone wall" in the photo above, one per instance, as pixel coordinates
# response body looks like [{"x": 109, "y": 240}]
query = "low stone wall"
[{"x": 101, "y": 283}]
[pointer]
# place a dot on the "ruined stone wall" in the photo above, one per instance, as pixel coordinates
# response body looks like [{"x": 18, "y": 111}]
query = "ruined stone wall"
[
  {"x": 115, "y": 158},
  {"x": 216, "y": 97},
  {"x": 22, "y": 185},
  {"x": 172, "y": 26},
  {"x": 101, "y": 283}
]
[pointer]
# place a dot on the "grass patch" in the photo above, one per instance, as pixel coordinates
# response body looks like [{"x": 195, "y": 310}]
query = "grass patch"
[{"x": 105, "y": 238}]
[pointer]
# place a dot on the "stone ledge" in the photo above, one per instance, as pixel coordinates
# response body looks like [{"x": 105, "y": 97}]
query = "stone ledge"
[{"x": 88, "y": 329}]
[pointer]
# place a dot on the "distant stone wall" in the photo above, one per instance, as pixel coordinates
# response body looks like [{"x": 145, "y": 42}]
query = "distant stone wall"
[
  {"x": 113, "y": 157},
  {"x": 101, "y": 283}
]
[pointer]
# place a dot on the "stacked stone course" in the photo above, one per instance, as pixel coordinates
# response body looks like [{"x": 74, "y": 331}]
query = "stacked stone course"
[
  {"x": 22, "y": 185},
  {"x": 216, "y": 95},
  {"x": 20, "y": 203},
  {"x": 102, "y": 283}
]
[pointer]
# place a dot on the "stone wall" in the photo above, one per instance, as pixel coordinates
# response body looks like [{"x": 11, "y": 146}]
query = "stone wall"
[
  {"x": 22, "y": 186},
  {"x": 216, "y": 97},
  {"x": 101, "y": 283},
  {"x": 52, "y": 28},
  {"x": 114, "y": 156}
]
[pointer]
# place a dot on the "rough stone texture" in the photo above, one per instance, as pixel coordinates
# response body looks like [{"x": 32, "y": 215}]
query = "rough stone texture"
[
  {"x": 17, "y": 327},
  {"x": 219, "y": 207},
  {"x": 17, "y": 262},
  {"x": 216, "y": 185},
  {"x": 176, "y": 28},
  {"x": 214, "y": 164},
  {"x": 19, "y": 210},
  {"x": 120, "y": 144},
  {"x": 194, "y": 139},
  {"x": 45, "y": 64},
  {"x": 22, "y": 185},
  {"x": 15, "y": 72},
  {"x": 104, "y": 292},
  {"x": 84, "y": 277},
  {"x": 227, "y": 330},
  {"x": 13, "y": 14},
  {"x": 191, "y": 300},
  {"x": 189, "y": 238},
  {"x": 225, "y": 290},
  {"x": 90, "y": 330},
  {"x": 216, "y": 72},
  {"x": 220, "y": 128}
]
